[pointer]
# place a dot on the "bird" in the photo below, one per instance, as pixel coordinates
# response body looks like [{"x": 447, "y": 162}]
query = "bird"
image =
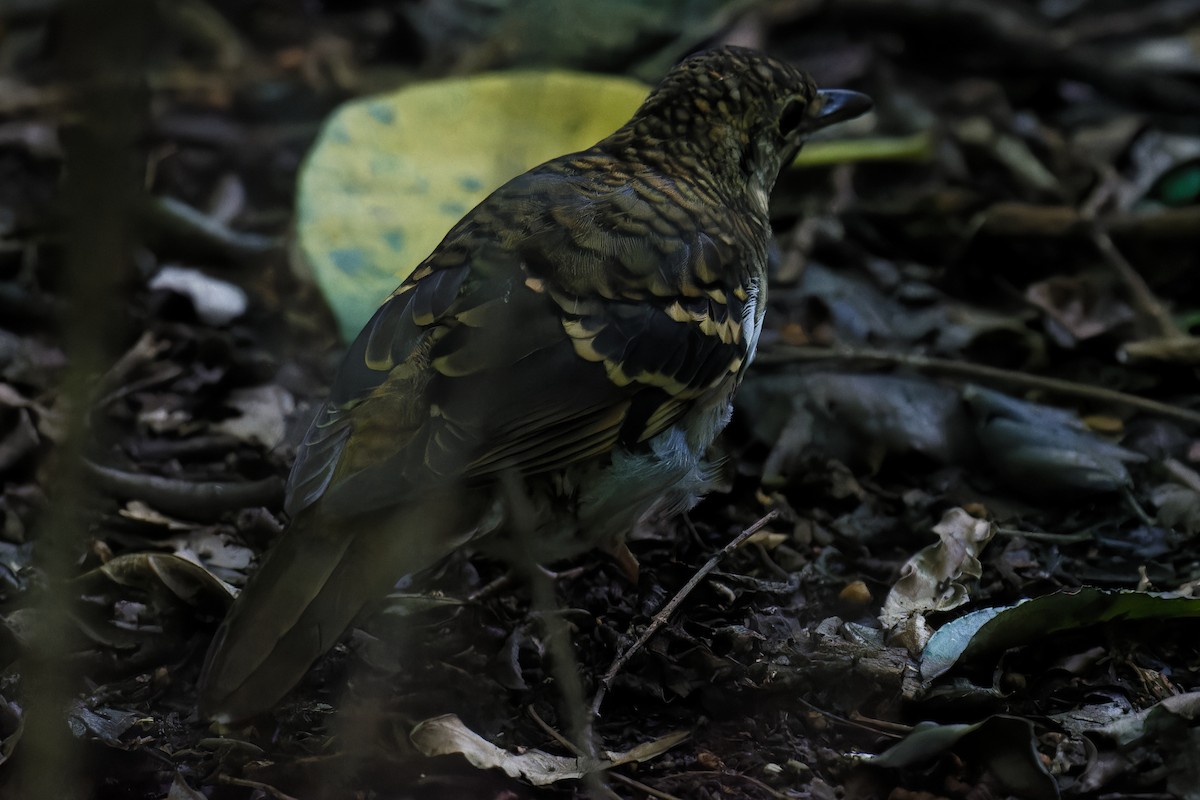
[{"x": 551, "y": 374}]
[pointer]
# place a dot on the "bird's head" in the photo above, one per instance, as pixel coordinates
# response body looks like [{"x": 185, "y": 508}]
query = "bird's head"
[{"x": 737, "y": 115}]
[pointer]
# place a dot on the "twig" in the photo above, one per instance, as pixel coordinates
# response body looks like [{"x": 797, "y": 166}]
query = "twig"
[
  {"x": 663, "y": 615},
  {"x": 618, "y": 777},
  {"x": 249, "y": 784},
  {"x": 553, "y": 733},
  {"x": 1043, "y": 536},
  {"x": 876, "y": 727},
  {"x": 1136, "y": 507},
  {"x": 1182, "y": 473},
  {"x": 1146, "y": 303},
  {"x": 641, "y": 787},
  {"x": 879, "y": 727},
  {"x": 568, "y": 745},
  {"x": 1143, "y": 299},
  {"x": 175, "y": 220},
  {"x": 722, "y": 776},
  {"x": 783, "y": 354}
]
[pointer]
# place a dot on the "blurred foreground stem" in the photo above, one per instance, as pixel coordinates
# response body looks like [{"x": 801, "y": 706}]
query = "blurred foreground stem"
[{"x": 102, "y": 48}]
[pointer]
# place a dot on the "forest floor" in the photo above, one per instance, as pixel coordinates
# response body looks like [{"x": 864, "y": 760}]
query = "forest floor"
[{"x": 976, "y": 388}]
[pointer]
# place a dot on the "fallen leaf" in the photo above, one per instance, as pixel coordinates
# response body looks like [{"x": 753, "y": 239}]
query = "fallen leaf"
[{"x": 934, "y": 579}]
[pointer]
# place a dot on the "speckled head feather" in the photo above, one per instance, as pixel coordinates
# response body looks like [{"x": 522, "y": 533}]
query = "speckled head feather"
[{"x": 733, "y": 113}]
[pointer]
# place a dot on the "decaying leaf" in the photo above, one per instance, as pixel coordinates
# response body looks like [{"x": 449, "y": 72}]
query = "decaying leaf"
[
  {"x": 1079, "y": 307},
  {"x": 263, "y": 413},
  {"x": 134, "y": 602},
  {"x": 447, "y": 735},
  {"x": 107, "y": 725},
  {"x": 934, "y": 579},
  {"x": 1128, "y": 743},
  {"x": 216, "y": 302},
  {"x": 186, "y": 581}
]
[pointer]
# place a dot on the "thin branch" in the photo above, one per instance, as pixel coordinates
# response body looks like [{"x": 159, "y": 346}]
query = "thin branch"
[
  {"x": 616, "y": 776},
  {"x": 265, "y": 788},
  {"x": 784, "y": 354},
  {"x": 724, "y": 776},
  {"x": 567, "y": 744},
  {"x": 1182, "y": 473},
  {"x": 1144, "y": 300}
]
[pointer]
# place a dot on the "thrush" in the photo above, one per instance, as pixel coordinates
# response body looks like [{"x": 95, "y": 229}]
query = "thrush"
[{"x": 579, "y": 335}]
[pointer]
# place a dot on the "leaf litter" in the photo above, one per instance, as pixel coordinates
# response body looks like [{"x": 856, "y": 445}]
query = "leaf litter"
[{"x": 998, "y": 279}]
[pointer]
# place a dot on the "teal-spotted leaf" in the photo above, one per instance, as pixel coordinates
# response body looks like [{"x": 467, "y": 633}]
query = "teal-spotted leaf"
[{"x": 390, "y": 175}]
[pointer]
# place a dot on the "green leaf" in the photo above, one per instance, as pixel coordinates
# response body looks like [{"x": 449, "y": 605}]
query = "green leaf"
[
  {"x": 1004, "y": 744},
  {"x": 995, "y": 630},
  {"x": 1180, "y": 186}
]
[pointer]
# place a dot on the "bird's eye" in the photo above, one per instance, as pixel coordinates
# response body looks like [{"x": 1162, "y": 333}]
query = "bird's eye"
[{"x": 794, "y": 115}]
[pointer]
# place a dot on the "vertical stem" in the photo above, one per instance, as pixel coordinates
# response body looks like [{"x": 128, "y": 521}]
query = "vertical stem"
[
  {"x": 564, "y": 667},
  {"x": 101, "y": 55}
]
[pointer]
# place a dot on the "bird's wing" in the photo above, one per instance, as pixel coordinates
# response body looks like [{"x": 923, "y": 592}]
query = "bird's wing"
[{"x": 562, "y": 316}]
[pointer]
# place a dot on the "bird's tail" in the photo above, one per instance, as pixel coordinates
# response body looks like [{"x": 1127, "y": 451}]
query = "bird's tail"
[{"x": 309, "y": 588}]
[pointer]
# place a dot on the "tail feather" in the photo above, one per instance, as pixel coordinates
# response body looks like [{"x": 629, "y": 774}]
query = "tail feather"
[{"x": 308, "y": 590}]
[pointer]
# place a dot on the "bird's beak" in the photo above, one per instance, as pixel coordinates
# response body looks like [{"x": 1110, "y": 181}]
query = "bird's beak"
[{"x": 838, "y": 105}]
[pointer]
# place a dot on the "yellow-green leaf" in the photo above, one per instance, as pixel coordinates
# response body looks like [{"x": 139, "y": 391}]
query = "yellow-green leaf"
[{"x": 390, "y": 175}]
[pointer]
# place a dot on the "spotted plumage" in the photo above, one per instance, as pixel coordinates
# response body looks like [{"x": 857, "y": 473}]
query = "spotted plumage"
[{"x": 581, "y": 331}]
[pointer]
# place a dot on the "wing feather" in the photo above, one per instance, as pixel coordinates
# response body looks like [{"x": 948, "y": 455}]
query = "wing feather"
[{"x": 557, "y": 339}]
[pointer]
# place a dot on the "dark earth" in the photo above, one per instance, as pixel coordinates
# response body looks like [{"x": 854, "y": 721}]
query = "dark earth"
[{"x": 1018, "y": 223}]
